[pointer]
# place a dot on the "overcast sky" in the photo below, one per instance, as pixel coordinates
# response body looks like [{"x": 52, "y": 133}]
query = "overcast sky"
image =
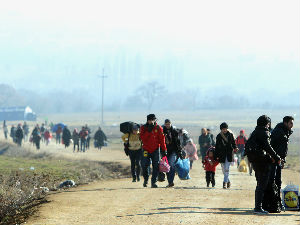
[{"x": 245, "y": 45}]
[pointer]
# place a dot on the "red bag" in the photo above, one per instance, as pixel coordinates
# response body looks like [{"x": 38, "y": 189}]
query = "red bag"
[{"x": 164, "y": 165}]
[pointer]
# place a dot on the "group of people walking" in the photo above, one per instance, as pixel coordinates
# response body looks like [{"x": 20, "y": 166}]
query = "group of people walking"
[
  {"x": 265, "y": 151},
  {"x": 63, "y": 135}
]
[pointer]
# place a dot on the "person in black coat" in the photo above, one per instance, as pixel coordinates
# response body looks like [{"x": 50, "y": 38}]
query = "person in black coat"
[
  {"x": 279, "y": 141},
  {"x": 36, "y": 136},
  {"x": 262, "y": 159},
  {"x": 173, "y": 149},
  {"x": 225, "y": 146},
  {"x": 66, "y": 136},
  {"x": 99, "y": 138},
  {"x": 19, "y": 135}
]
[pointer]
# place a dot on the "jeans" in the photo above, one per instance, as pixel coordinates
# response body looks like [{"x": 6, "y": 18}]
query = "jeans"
[
  {"x": 58, "y": 137},
  {"x": 82, "y": 145},
  {"x": 171, "y": 174},
  {"x": 146, "y": 160},
  {"x": 135, "y": 159},
  {"x": 225, "y": 169}
]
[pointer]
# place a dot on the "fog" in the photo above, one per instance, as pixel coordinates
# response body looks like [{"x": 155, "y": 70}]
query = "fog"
[{"x": 199, "y": 54}]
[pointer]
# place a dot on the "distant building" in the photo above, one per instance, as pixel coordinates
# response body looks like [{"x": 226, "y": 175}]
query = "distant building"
[{"x": 17, "y": 113}]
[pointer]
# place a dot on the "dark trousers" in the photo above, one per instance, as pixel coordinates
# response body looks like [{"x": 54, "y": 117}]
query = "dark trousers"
[
  {"x": 146, "y": 160},
  {"x": 88, "y": 143},
  {"x": 275, "y": 175},
  {"x": 37, "y": 143},
  {"x": 135, "y": 159},
  {"x": 262, "y": 174},
  {"x": 76, "y": 144},
  {"x": 210, "y": 177}
]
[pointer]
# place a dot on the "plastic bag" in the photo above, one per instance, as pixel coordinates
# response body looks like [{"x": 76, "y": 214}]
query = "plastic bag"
[
  {"x": 290, "y": 198},
  {"x": 243, "y": 166},
  {"x": 164, "y": 165},
  {"x": 182, "y": 168}
]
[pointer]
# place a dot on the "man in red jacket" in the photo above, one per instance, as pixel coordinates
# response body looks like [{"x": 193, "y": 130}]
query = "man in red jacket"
[{"x": 153, "y": 138}]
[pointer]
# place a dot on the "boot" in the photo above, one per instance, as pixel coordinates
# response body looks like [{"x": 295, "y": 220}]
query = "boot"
[
  {"x": 259, "y": 195},
  {"x": 228, "y": 185},
  {"x": 145, "y": 183},
  {"x": 207, "y": 184},
  {"x": 224, "y": 185}
]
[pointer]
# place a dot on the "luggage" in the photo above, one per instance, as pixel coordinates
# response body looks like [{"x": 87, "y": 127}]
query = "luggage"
[
  {"x": 182, "y": 167},
  {"x": 164, "y": 165},
  {"x": 126, "y": 127},
  {"x": 290, "y": 197}
]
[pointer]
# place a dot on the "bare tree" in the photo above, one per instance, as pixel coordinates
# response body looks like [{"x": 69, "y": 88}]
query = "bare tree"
[{"x": 151, "y": 91}]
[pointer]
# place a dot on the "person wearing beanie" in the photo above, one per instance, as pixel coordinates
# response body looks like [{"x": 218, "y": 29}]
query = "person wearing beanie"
[
  {"x": 153, "y": 139},
  {"x": 240, "y": 142},
  {"x": 225, "y": 147},
  {"x": 261, "y": 154}
]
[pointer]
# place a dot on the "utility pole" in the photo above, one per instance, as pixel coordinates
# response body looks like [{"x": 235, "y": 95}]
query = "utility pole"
[{"x": 102, "y": 95}]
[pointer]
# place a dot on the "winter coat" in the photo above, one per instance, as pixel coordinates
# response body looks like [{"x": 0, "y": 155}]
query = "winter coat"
[
  {"x": 135, "y": 142},
  {"x": 191, "y": 151},
  {"x": 240, "y": 142},
  {"x": 172, "y": 141},
  {"x": 19, "y": 134},
  {"x": 264, "y": 150},
  {"x": 36, "y": 135},
  {"x": 100, "y": 137},
  {"x": 83, "y": 134},
  {"x": 12, "y": 132},
  {"x": 208, "y": 166},
  {"x": 47, "y": 135},
  {"x": 204, "y": 139},
  {"x": 184, "y": 138},
  {"x": 225, "y": 149},
  {"x": 66, "y": 136},
  {"x": 75, "y": 137},
  {"x": 280, "y": 140},
  {"x": 152, "y": 138}
]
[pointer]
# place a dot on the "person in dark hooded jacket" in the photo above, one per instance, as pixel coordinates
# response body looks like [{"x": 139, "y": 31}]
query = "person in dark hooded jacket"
[
  {"x": 19, "y": 135},
  {"x": 100, "y": 138},
  {"x": 279, "y": 141},
  {"x": 66, "y": 136},
  {"x": 173, "y": 149},
  {"x": 262, "y": 158}
]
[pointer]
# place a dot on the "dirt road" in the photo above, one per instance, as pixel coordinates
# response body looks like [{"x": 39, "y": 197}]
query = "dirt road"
[{"x": 189, "y": 202}]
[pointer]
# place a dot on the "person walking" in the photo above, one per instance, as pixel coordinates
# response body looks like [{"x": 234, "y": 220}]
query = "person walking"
[
  {"x": 88, "y": 139},
  {"x": 213, "y": 142},
  {"x": 153, "y": 138},
  {"x": 19, "y": 135},
  {"x": 47, "y": 136},
  {"x": 210, "y": 164},
  {"x": 36, "y": 136},
  {"x": 225, "y": 147},
  {"x": 204, "y": 142},
  {"x": 173, "y": 149},
  {"x": 133, "y": 144},
  {"x": 26, "y": 131},
  {"x": 66, "y": 136},
  {"x": 83, "y": 136},
  {"x": 58, "y": 134},
  {"x": 13, "y": 133},
  {"x": 190, "y": 150},
  {"x": 5, "y": 129},
  {"x": 240, "y": 142},
  {"x": 75, "y": 138},
  {"x": 261, "y": 154},
  {"x": 100, "y": 138}
]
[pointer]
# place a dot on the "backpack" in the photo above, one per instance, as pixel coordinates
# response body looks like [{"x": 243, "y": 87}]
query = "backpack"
[{"x": 251, "y": 148}]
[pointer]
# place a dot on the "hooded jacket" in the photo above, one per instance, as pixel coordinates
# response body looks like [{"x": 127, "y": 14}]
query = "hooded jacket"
[
  {"x": 207, "y": 165},
  {"x": 280, "y": 139}
]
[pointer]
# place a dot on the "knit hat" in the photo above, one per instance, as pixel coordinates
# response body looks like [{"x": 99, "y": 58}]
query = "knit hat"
[
  {"x": 223, "y": 125},
  {"x": 242, "y": 131}
]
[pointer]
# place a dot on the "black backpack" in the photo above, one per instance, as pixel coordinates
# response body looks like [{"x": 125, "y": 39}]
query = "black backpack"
[{"x": 251, "y": 148}]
